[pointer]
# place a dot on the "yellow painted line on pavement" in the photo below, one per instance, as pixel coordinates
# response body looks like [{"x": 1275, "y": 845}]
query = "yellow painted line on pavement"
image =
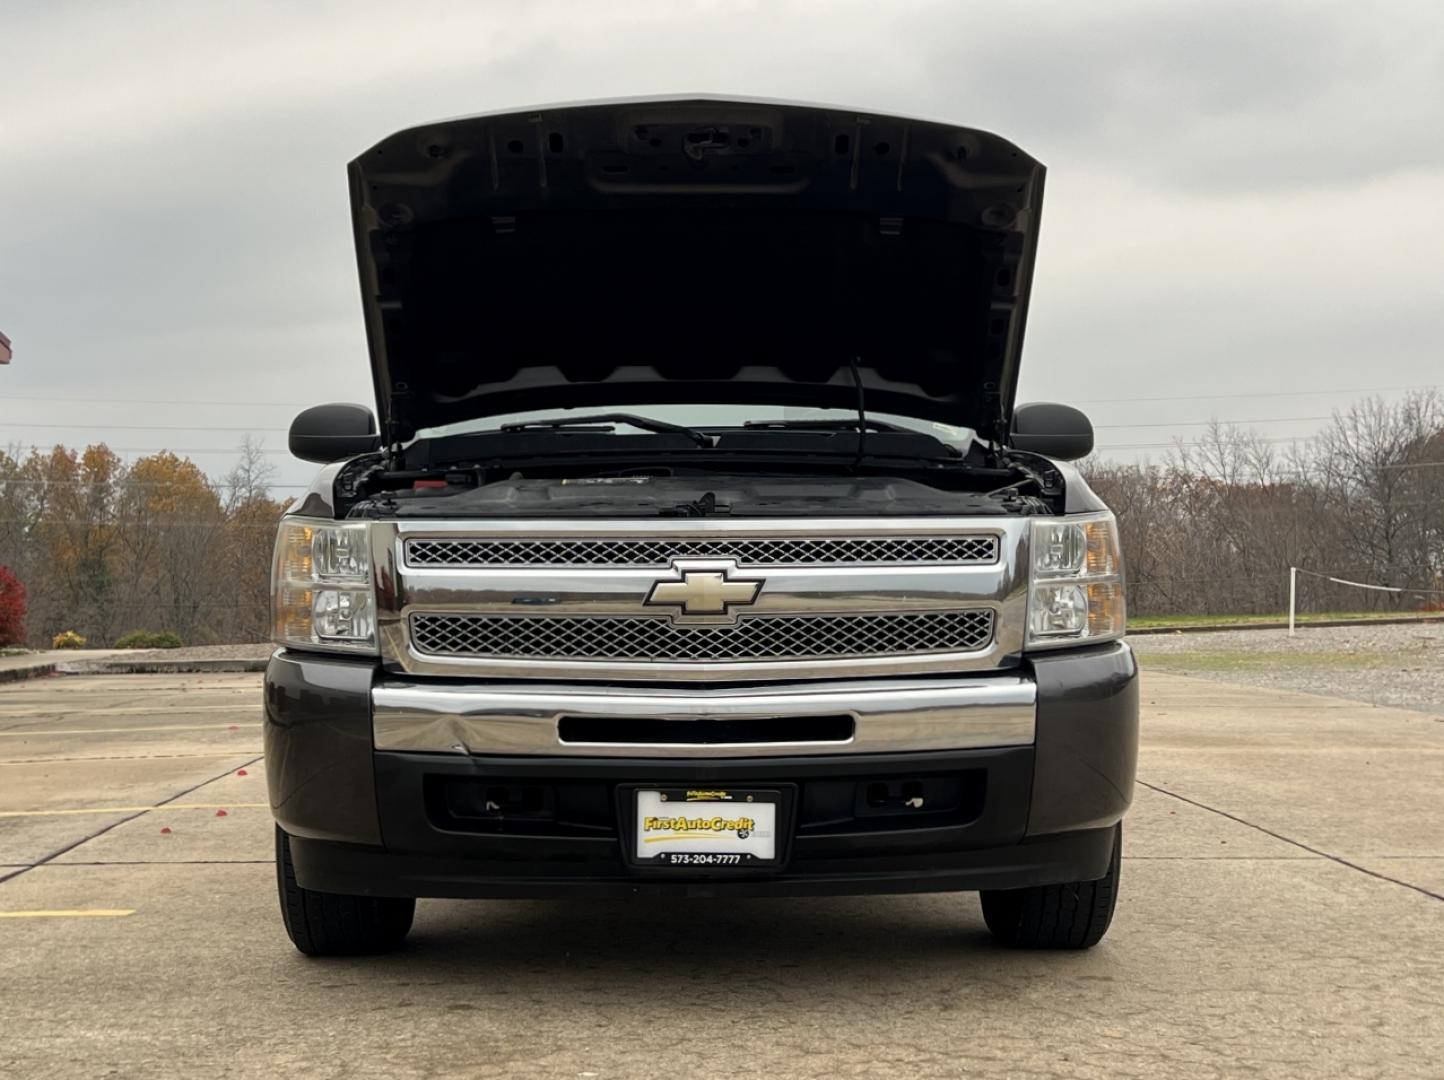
[
  {"x": 125, "y": 757},
  {"x": 20, "y": 711},
  {"x": 135, "y": 809},
  {"x": 128, "y": 730},
  {"x": 70, "y": 913}
]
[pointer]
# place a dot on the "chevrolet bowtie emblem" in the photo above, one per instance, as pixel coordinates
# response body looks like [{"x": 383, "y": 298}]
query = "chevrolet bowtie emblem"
[{"x": 704, "y": 588}]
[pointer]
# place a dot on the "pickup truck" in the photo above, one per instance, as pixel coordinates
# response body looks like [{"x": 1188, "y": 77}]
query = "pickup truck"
[{"x": 697, "y": 546}]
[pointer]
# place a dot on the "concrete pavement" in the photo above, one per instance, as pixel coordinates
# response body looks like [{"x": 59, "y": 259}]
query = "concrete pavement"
[{"x": 1281, "y": 914}]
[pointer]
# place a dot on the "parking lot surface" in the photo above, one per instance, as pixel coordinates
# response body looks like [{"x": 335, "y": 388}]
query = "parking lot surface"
[
  {"x": 1281, "y": 914},
  {"x": 1401, "y": 664}
]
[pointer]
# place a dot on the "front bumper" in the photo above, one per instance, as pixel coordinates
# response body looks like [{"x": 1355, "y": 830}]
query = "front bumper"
[
  {"x": 824, "y": 717},
  {"x": 1023, "y": 800}
]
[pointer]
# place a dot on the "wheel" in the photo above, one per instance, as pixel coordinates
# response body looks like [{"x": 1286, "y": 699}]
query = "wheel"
[
  {"x": 1074, "y": 915},
  {"x": 333, "y": 924}
]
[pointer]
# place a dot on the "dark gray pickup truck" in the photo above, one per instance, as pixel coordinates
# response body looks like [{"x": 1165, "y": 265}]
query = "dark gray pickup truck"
[{"x": 701, "y": 549}]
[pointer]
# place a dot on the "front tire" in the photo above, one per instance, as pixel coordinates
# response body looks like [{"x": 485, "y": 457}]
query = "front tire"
[
  {"x": 1074, "y": 915},
  {"x": 333, "y": 924}
]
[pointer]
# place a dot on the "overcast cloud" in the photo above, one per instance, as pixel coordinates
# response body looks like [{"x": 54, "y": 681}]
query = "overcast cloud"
[{"x": 1243, "y": 198}]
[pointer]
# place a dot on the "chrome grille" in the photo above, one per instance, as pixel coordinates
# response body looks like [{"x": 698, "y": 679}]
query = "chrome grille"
[
  {"x": 642, "y": 638},
  {"x": 770, "y": 551}
]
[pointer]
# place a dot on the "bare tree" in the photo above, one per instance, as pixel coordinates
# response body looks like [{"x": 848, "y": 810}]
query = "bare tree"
[
  {"x": 1373, "y": 464},
  {"x": 250, "y": 478}
]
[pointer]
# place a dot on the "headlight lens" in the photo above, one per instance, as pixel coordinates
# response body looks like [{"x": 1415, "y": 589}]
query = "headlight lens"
[
  {"x": 322, "y": 595},
  {"x": 1058, "y": 547},
  {"x": 1076, "y": 587}
]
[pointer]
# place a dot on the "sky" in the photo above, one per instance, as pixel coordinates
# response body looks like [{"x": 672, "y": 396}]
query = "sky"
[{"x": 1244, "y": 216}]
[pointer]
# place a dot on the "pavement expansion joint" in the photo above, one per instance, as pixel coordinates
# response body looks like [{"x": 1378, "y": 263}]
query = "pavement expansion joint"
[
  {"x": 115, "y": 824},
  {"x": 1290, "y": 840}
]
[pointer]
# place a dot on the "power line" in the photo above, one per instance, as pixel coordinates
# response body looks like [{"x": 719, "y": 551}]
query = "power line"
[
  {"x": 1256, "y": 394},
  {"x": 125, "y": 605},
  {"x": 1170, "y": 445},
  {"x": 1180, "y": 423},
  {"x": 232, "y": 450},
  {"x": 212, "y": 428},
  {"x": 151, "y": 525},
  {"x": 1241, "y": 395},
  {"x": 103, "y": 425},
  {"x": 165, "y": 401},
  {"x": 277, "y": 450},
  {"x": 128, "y": 483}
]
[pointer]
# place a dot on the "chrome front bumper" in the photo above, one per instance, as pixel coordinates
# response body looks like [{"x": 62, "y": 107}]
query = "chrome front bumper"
[{"x": 524, "y": 719}]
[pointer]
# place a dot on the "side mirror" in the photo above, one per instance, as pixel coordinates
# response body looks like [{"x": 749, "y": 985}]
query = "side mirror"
[
  {"x": 327, "y": 433},
  {"x": 1059, "y": 431}
]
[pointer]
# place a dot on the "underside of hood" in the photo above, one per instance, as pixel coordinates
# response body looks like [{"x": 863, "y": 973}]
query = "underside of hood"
[{"x": 694, "y": 251}]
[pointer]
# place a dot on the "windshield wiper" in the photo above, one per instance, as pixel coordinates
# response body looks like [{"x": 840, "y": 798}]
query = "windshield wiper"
[
  {"x": 824, "y": 425},
  {"x": 860, "y": 426},
  {"x": 643, "y": 423}
]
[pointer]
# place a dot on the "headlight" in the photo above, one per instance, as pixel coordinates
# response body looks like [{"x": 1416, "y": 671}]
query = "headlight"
[
  {"x": 1075, "y": 588},
  {"x": 322, "y": 596}
]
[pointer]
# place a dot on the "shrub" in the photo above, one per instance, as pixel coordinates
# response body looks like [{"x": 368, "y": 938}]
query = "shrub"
[
  {"x": 68, "y": 639},
  {"x": 149, "y": 639},
  {"x": 12, "y": 608}
]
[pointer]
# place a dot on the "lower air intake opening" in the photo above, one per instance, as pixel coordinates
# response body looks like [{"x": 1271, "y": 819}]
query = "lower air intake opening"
[{"x": 661, "y": 732}]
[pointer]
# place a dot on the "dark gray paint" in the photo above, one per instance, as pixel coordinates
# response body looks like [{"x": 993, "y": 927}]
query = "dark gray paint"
[
  {"x": 1046, "y": 427},
  {"x": 1087, "y": 738},
  {"x": 1079, "y": 498},
  {"x": 318, "y": 747},
  {"x": 333, "y": 432},
  {"x": 504, "y": 210}
]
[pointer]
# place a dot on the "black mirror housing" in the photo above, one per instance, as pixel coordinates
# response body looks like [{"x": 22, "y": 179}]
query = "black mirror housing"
[
  {"x": 327, "y": 433},
  {"x": 1053, "y": 430}
]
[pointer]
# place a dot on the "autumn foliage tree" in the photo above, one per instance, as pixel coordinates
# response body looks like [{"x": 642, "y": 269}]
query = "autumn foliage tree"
[
  {"x": 12, "y": 608},
  {"x": 107, "y": 548}
]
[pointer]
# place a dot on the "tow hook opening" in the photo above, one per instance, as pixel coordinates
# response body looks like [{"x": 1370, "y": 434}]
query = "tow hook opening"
[
  {"x": 905, "y": 796},
  {"x": 705, "y": 140}
]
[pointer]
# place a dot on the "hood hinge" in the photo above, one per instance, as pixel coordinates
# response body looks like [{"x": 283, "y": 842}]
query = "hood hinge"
[
  {"x": 997, "y": 430},
  {"x": 395, "y": 423}
]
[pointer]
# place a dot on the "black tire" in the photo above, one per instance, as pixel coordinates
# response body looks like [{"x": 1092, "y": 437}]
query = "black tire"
[
  {"x": 1074, "y": 915},
  {"x": 333, "y": 924}
]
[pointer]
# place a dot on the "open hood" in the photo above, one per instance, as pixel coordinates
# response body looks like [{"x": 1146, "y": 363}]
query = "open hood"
[{"x": 694, "y": 251}]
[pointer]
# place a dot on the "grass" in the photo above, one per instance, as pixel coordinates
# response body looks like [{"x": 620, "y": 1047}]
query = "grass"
[{"x": 1143, "y": 622}]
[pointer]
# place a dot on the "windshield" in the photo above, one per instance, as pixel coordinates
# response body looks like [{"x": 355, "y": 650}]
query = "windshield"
[{"x": 710, "y": 416}]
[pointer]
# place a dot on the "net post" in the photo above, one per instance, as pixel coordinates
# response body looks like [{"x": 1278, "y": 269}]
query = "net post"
[{"x": 1293, "y": 595}]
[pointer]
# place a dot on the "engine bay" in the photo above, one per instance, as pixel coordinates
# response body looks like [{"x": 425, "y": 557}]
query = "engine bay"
[
  {"x": 590, "y": 471},
  {"x": 692, "y": 496}
]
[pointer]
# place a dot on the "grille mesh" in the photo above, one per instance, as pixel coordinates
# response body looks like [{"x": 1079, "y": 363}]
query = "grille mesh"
[
  {"x": 660, "y": 552},
  {"x": 769, "y": 637}
]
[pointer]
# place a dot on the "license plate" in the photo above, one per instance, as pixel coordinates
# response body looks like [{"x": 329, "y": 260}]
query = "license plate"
[{"x": 706, "y": 828}]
